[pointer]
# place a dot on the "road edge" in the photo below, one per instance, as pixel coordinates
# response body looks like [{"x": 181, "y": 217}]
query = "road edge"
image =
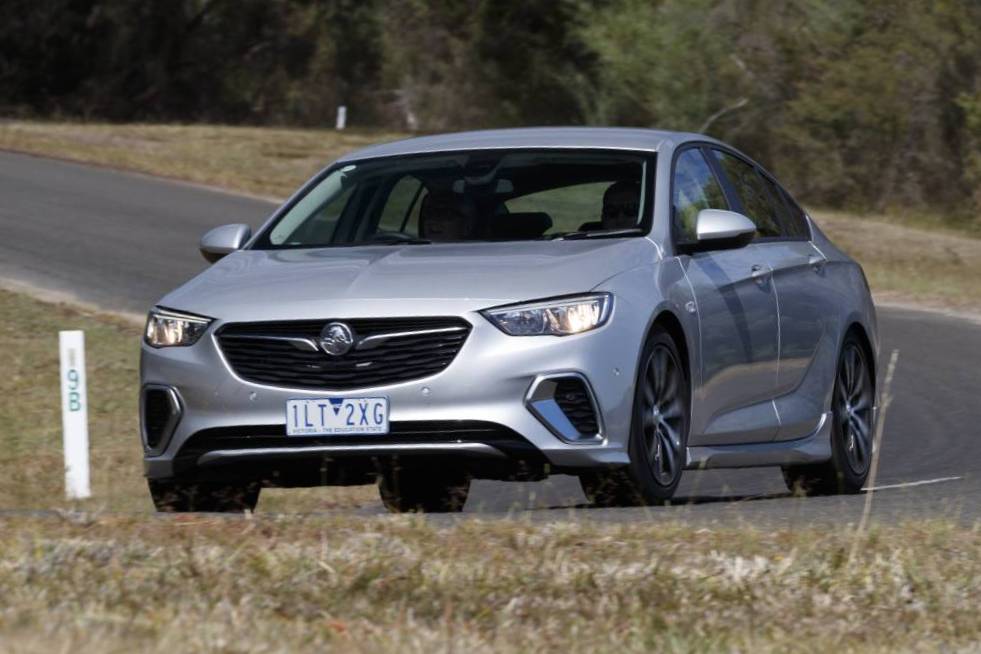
[
  {"x": 201, "y": 186},
  {"x": 955, "y": 314},
  {"x": 67, "y": 299}
]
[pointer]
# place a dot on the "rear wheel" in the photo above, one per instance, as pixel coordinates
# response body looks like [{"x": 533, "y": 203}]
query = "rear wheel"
[
  {"x": 425, "y": 490},
  {"x": 659, "y": 432},
  {"x": 180, "y": 497},
  {"x": 851, "y": 430}
]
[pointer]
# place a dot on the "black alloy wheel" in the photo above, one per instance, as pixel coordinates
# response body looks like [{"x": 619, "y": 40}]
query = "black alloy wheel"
[
  {"x": 852, "y": 428},
  {"x": 853, "y": 408},
  {"x": 664, "y": 416},
  {"x": 659, "y": 432}
]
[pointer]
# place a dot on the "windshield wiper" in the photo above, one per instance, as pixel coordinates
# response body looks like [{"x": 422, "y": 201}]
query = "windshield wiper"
[
  {"x": 604, "y": 233},
  {"x": 397, "y": 241}
]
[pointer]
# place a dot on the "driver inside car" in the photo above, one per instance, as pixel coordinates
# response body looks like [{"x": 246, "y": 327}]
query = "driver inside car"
[
  {"x": 442, "y": 218},
  {"x": 621, "y": 205}
]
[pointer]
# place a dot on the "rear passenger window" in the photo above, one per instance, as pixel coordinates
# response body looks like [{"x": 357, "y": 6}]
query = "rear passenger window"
[
  {"x": 695, "y": 188},
  {"x": 751, "y": 189},
  {"x": 789, "y": 228},
  {"x": 796, "y": 226}
]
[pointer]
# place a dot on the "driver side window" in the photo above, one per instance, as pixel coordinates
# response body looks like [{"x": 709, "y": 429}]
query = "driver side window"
[{"x": 695, "y": 188}]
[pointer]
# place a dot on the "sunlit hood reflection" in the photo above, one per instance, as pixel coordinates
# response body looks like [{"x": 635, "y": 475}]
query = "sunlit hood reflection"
[{"x": 300, "y": 281}]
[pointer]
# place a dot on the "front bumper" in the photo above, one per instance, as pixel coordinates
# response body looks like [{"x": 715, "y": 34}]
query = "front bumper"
[{"x": 491, "y": 381}]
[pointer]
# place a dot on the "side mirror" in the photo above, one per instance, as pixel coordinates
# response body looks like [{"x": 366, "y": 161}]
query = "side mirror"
[
  {"x": 224, "y": 240},
  {"x": 718, "y": 229}
]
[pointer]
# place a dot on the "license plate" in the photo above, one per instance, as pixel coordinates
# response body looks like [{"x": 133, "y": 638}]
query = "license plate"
[{"x": 324, "y": 416}]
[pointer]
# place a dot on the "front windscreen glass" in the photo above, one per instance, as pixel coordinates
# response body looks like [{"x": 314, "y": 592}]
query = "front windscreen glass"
[{"x": 470, "y": 196}]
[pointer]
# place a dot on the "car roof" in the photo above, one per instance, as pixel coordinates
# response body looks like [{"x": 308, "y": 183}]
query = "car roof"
[{"x": 612, "y": 138}]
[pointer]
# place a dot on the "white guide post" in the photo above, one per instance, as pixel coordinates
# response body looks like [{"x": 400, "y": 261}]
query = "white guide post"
[
  {"x": 74, "y": 414},
  {"x": 341, "y": 117}
]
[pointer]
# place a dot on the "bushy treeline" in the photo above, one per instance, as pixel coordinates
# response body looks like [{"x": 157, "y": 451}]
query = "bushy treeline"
[{"x": 869, "y": 104}]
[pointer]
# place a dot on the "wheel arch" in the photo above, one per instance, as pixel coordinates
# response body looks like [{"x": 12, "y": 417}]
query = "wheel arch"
[
  {"x": 857, "y": 329},
  {"x": 669, "y": 322}
]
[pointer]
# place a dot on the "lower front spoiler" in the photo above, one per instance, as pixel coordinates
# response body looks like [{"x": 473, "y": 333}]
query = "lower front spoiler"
[
  {"x": 264, "y": 453},
  {"x": 218, "y": 457}
]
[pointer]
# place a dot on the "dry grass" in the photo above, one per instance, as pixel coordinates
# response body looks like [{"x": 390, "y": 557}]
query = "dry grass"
[
  {"x": 260, "y": 161},
  {"x": 907, "y": 258},
  {"x": 934, "y": 268},
  {"x": 406, "y": 584}
]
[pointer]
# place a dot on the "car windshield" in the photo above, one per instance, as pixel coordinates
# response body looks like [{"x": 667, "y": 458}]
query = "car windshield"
[{"x": 489, "y": 195}]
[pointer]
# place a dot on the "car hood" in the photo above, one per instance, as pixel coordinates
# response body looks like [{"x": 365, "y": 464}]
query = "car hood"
[{"x": 401, "y": 280}]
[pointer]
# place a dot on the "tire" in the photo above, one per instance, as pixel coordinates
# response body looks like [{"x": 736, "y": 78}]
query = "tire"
[
  {"x": 852, "y": 430},
  {"x": 180, "y": 497},
  {"x": 404, "y": 490},
  {"x": 658, "y": 432}
]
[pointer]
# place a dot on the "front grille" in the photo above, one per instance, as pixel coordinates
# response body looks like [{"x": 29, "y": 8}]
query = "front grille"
[
  {"x": 398, "y": 359},
  {"x": 573, "y": 398}
]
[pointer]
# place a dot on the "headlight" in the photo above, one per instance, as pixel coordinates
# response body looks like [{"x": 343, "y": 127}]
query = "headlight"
[
  {"x": 560, "y": 317},
  {"x": 165, "y": 328}
]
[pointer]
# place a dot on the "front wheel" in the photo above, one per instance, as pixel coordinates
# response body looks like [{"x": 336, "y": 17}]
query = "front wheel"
[
  {"x": 418, "y": 489},
  {"x": 852, "y": 411},
  {"x": 659, "y": 432},
  {"x": 183, "y": 497}
]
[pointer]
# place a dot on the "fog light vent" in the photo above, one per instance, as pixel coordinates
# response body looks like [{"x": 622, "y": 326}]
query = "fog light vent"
[
  {"x": 573, "y": 398},
  {"x": 161, "y": 411},
  {"x": 565, "y": 404}
]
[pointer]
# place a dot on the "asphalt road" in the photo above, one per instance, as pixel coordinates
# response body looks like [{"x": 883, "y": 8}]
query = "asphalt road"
[{"x": 121, "y": 241}]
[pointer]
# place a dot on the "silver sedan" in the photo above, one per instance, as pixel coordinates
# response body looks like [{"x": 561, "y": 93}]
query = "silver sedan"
[{"x": 617, "y": 304}]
